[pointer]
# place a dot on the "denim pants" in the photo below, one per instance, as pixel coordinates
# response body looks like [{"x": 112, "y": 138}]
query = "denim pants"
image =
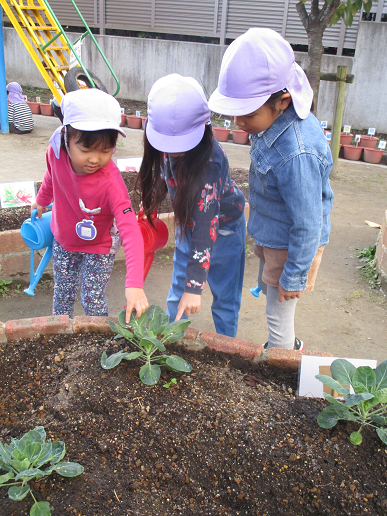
[
  {"x": 225, "y": 276},
  {"x": 69, "y": 267}
]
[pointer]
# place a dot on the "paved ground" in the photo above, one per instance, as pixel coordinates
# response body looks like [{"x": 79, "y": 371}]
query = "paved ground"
[{"x": 342, "y": 316}]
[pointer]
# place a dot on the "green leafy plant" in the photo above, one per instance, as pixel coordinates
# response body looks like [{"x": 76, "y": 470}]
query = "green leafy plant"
[
  {"x": 23, "y": 459},
  {"x": 368, "y": 269},
  {"x": 366, "y": 406},
  {"x": 167, "y": 385},
  {"x": 148, "y": 334},
  {"x": 4, "y": 286}
]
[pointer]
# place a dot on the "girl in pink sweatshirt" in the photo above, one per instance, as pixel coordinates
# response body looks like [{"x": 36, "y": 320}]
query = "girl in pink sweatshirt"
[{"x": 90, "y": 201}]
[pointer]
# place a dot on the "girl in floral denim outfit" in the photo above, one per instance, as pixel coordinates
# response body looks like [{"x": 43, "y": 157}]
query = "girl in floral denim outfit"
[
  {"x": 181, "y": 157},
  {"x": 90, "y": 203},
  {"x": 290, "y": 195}
]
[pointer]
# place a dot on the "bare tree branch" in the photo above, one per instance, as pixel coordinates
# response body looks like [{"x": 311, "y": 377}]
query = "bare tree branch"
[
  {"x": 329, "y": 13},
  {"x": 303, "y": 14}
]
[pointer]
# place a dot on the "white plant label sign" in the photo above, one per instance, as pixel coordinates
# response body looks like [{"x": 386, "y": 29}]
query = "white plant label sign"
[
  {"x": 347, "y": 129},
  {"x": 324, "y": 124},
  {"x": 328, "y": 136},
  {"x": 357, "y": 138},
  {"x": 138, "y": 114},
  {"x": 371, "y": 131},
  {"x": 122, "y": 111},
  {"x": 25, "y": 98},
  {"x": 382, "y": 144},
  {"x": 38, "y": 99},
  {"x": 227, "y": 123}
]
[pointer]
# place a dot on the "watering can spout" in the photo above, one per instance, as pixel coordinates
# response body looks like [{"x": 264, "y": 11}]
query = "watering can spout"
[
  {"x": 37, "y": 234},
  {"x": 155, "y": 237}
]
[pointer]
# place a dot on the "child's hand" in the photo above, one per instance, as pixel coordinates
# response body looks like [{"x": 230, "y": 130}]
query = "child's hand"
[
  {"x": 40, "y": 209},
  {"x": 135, "y": 300},
  {"x": 189, "y": 304},
  {"x": 285, "y": 295}
]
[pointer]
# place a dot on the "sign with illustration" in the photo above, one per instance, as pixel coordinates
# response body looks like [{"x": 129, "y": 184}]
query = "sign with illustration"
[
  {"x": 328, "y": 136},
  {"x": 227, "y": 123},
  {"x": 324, "y": 124},
  {"x": 20, "y": 193},
  {"x": 382, "y": 144},
  {"x": 372, "y": 131},
  {"x": 357, "y": 138},
  {"x": 347, "y": 129}
]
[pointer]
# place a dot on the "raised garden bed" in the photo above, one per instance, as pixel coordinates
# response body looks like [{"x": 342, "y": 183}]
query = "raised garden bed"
[{"x": 230, "y": 438}]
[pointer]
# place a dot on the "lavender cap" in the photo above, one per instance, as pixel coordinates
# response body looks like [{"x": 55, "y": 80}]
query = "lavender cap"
[
  {"x": 177, "y": 114},
  {"x": 256, "y": 65}
]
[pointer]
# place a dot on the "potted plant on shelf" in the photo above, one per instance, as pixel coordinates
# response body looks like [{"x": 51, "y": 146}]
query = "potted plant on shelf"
[
  {"x": 374, "y": 155},
  {"x": 346, "y": 138},
  {"x": 46, "y": 109},
  {"x": 133, "y": 121},
  {"x": 353, "y": 152},
  {"x": 368, "y": 141},
  {"x": 240, "y": 136},
  {"x": 34, "y": 107}
]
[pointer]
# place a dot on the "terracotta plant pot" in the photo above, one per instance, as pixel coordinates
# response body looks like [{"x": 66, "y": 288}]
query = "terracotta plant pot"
[
  {"x": 34, "y": 107},
  {"x": 372, "y": 155},
  {"x": 133, "y": 121},
  {"x": 221, "y": 133},
  {"x": 368, "y": 142},
  {"x": 143, "y": 118},
  {"x": 346, "y": 138},
  {"x": 352, "y": 152},
  {"x": 240, "y": 136},
  {"x": 46, "y": 109},
  {"x": 123, "y": 120}
]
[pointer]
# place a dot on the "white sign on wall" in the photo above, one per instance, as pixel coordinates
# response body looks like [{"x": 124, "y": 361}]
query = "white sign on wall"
[{"x": 77, "y": 48}]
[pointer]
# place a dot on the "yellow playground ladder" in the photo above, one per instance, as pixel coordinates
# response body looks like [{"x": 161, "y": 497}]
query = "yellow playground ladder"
[{"x": 47, "y": 43}]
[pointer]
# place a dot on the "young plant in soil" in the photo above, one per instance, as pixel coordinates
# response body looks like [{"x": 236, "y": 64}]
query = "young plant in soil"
[
  {"x": 366, "y": 406},
  {"x": 148, "y": 334},
  {"x": 23, "y": 460}
]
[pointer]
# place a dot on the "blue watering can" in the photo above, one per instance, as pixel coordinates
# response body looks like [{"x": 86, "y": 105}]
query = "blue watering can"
[
  {"x": 37, "y": 234},
  {"x": 255, "y": 291}
]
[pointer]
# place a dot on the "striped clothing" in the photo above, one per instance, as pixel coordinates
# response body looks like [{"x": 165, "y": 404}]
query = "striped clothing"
[{"x": 20, "y": 116}]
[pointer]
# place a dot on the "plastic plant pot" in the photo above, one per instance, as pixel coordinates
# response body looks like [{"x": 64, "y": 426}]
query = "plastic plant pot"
[
  {"x": 352, "y": 152},
  {"x": 368, "y": 142},
  {"x": 143, "y": 118},
  {"x": 346, "y": 138},
  {"x": 123, "y": 120},
  {"x": 372, "y": 155},
  {"x": 133, "y": 121},
  {"x": 240, "y": 136},
  {"x": 221, "y": 133},
  {"x": 34, "y": 107},
  {"x": 46, "y": 109}
]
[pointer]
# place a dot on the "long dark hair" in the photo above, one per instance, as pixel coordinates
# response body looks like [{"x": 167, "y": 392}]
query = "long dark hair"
[
  {"x": 190, "y": 170},
  {"x": 107, "y": 138}
]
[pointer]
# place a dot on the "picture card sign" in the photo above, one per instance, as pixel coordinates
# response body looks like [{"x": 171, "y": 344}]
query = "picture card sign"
[
  {"x": 25, "y": 98},
  {"x": 227, "y": 123},
  {"x": 21, "y": 193},
  {"x": 357, "y": 138},
  {"x": 309, "y": 386},
  {"x": 382, "y": 144},
  {"x": 372, "y": 131},
  {"x": 122, "y": 111},
  {"x": 324, "y": 124},
  {"x": 347, "y": 129},
  {"x": 328, "y": 136},
  {"x": 129, "y": 164},
  {"x": 38, "y": 100},
  {"x": 138, "y": 114}
]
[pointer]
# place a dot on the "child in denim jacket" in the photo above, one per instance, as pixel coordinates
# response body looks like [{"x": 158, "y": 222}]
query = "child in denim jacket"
[{"x": 290, "y": 195}]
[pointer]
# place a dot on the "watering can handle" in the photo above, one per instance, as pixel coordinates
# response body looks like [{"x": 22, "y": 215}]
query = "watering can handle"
[
  {"x": 141, "y": 214},
  {"x": 35, "y": 212}
]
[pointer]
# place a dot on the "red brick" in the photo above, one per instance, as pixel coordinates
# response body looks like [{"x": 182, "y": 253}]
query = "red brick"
[
  {"x": 11, "y": 242},
  {"x": 88, "y": 324},
  {"x": 191, "y": 333},
  {"x": 289, "y": 358},
  {"x": 24, "y": 328},
  {"x": 18, "y": 263},
  {"x": 230, "y": 345}
]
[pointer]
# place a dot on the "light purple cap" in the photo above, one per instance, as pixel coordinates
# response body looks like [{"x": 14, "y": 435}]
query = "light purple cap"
[
  {"x": 256, "y": 65},
  {"x": 177, "y": 114}
]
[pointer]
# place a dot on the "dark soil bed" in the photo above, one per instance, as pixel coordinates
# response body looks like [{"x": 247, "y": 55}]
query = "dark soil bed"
[
  {"x": 211, "y": 445},
  {"x": 13, "y": 218}
]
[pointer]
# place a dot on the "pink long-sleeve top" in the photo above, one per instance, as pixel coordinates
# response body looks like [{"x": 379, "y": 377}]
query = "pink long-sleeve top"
[{"x": 105, "y": 189}]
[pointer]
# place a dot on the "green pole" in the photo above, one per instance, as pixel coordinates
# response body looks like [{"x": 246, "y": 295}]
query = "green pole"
[{"x": 341, "y": 78}]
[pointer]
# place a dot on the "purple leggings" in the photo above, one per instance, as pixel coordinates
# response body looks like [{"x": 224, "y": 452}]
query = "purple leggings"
[{"x": 95, "y": 270}]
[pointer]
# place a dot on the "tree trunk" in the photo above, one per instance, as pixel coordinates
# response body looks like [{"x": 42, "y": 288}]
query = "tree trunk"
[{"x": 313, "y": 61}]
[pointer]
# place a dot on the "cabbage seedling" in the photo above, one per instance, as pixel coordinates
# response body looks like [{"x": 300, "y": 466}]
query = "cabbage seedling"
[
  {"x": 23, "y": 460},
  {"x": 148, "y": 334},
  {"x": 366, "y": 406}
]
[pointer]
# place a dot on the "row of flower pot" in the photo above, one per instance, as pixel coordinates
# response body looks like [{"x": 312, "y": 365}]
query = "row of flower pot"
[
  {"x": 238, "y": 136},
  {"x": 366, "y": 141},
  {"x": 353, "y": 153},
  {"x": 133, "y": 121},
  {"x": 40, "y": 108}
]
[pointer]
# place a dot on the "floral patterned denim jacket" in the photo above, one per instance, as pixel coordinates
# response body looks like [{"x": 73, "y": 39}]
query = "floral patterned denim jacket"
[{"x": 290, "y": 195}]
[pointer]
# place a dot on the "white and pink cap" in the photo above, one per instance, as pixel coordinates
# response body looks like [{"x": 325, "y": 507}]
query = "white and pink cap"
[
  {"x": 177, "y": 114},
  {"x": 256, "y": 65}
]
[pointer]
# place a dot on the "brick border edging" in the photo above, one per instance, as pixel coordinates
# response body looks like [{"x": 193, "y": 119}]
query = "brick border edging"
[{"x": 193, "y": 339}]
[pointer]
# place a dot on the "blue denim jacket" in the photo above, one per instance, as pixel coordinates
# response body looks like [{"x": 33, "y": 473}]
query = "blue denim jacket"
[{"x": 290, "y": 195}]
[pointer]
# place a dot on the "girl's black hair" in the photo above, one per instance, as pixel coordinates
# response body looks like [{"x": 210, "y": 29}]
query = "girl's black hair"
[
  {"x": 190, "y": 170},
  {"x": 107, "y": 138},
  {"x": 277, "y": 95}
]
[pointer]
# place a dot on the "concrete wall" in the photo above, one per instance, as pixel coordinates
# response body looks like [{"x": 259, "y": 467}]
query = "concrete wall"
[{"x": 139, "y": 62}]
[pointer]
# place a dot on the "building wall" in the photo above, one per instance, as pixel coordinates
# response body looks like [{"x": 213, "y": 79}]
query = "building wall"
[{"x": 139, "y": 62}]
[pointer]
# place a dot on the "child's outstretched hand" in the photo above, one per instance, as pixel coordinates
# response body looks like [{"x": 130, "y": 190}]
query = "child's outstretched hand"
[
  {"x": 135, "y": 300},
  {"x": 189, "y": 304},
  {"x": 40, "y": 209},
  {"x": 285, "y": 295}
]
